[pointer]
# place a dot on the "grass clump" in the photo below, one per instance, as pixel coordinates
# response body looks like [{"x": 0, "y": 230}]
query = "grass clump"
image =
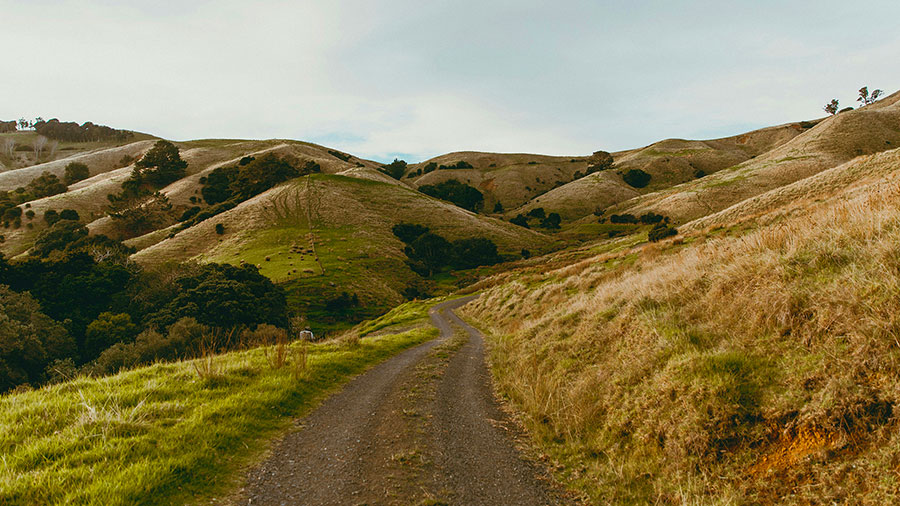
[{"x": 163, "y": 434}]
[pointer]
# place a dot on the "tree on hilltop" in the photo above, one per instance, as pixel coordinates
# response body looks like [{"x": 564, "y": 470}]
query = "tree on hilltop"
[
  {"x": 161, "y": 165},
  {"x": 831, "y": 107},
  {"x": 865, "y": 98}
]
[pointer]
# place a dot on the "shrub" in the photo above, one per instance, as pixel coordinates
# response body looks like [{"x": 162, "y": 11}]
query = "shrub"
[
  {"x": 456, "y": 192},
  {"x": 637, "y": 178},
  {"x": 552, "y": 221},
  {"x": 660, "y": 232},
  {"x": 69, "y": 214},
  {"x": 623, "y": 218},
  {"x": 340, "y": 156},
  {"x": 699, "y": 173},
  {"x": 76, "y": 171},
  {"x": 395, "y": 169},
  {"x": 498, "y": 207},
  {"x": 51, "y": 216},
  {"x": 29, "y": 340},
  {"x": 220, "y": 228},
  {"x": 29, "y": 214},
  {"x": 537, "y": 212},
  {"x": 107, "y": 330},
  {"x": 520, "y": 220},
  {"x": 408, "y": 232},
  {"x": 190, "y": 213},
  {"x": 651, "y": 218}
]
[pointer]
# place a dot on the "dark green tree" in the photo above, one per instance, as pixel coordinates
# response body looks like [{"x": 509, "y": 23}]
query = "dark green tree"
[
  {"x": 636, "y": 178},
  {"x": 29, "y": 340},
  {"x": 395, "y": 169},
  {"x": 76, "y": 171},
  {"x": 454, "y": 191},
  {"x": 160, "y": 166}
]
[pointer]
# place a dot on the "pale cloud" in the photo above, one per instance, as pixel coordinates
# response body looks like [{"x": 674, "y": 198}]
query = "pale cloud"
[{"x": 382, "y": 77}]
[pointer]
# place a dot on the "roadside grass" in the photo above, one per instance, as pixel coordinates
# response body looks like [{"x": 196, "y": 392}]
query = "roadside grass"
[
  {"x": 757, "y": 365},
  {"x": 163, "y": 434},
  {"x": 406, "y": 313}
]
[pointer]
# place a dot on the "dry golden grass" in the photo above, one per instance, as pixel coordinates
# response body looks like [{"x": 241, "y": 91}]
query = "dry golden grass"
[{"x": 669, "y": 374}]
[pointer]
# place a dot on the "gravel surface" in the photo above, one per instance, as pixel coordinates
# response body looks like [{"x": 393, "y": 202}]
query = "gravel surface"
[{"x": 422, "y": 427}]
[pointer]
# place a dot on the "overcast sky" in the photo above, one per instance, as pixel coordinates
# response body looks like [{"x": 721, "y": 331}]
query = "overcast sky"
[{"x": 419, "y": 78}]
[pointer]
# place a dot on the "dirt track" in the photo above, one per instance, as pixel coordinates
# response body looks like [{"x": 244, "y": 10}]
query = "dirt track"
[{"x": 422, "y": 426}]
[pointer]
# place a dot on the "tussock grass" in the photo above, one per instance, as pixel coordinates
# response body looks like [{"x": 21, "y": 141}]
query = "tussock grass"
[
  {"x": 161, "y": 434},
  {"x": 763, "y": 367}
]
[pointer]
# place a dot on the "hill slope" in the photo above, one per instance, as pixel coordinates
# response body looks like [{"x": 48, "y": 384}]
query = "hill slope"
[{"x": 751, "y": 364}]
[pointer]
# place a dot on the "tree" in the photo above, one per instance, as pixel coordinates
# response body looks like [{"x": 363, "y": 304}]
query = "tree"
[
  {"x": 867, "y": 99},
  {"x": 58, "y": 237},
  {"x": 45, "y": 185},
  {"x": 537, "y": 212},
  {"x": 637, "y": 178},
  {"x": 38, "y": 145},
  {"x": 29, "y": 340},
  {"x": 552, "y": 221},
  {"x": 470, "y": 253},
  {"x": 107, "y": 330},
  {"x": 137, "y": 215},
  {"x": 660, "y": 232},
  {"x": 9, "y": 147},
  {"x": 395, "y": 169},
  {"x": 160, "y": 166},
  {"x": 600, "y": 160},
  {"x": 454, "y": 191},
  {"x": 520, "y": 220},
  {"x": 51, "y": 216},
  {"x": 76, "y": 171},
  {"x": 69, "y": 214},
  {"x": 832, "y": 107},
  {"x": 222, "y": 295}
]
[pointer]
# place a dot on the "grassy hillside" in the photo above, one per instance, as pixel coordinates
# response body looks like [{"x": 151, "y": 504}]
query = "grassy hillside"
[
  {"x": 326, "y": 234},
  {"x": 171, "y": 433},
  {"x": 669, "y": 163},
  {"x": 511, "y": 179},
  {"x": 831, "y": 142},
  {"x": 24, "y": 155},
  {"x": 88, "y": 197},
  {"x": 756, "y": 362}
]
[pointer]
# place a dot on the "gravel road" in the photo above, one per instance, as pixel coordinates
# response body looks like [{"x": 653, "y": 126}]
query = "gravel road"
[{"x": 422, "y": 427}]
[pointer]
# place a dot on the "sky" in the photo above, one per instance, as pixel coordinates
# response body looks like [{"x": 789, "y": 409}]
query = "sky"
[{"x": 415, "y": 79}]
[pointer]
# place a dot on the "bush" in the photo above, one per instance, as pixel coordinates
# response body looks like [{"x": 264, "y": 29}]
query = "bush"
[
  {"x": 498, "y": 207},
  {"x": 623, "y": 218},
  {"x": 651, "y": 218},
  {"x": 220, "y": 229},
  {"x": 456, "y": 192},
  {"x": 552, "y": 221},
  {"x": 160, "y": 166},
  {"x": 45, "y": 185},
  {"x": 76, "y": 171},
  {"x": 395, "y": 169},
  {"x": 408, "y": 232},
  {"x": 537, "y": 212},
  {"x": 69, "y": 214},
  {"x": 520, "y": 220},
  {"x": 29, "y": 340},
  {"x": 699, "y": 173},
  {"x": 51, "y": 216},
  {"x": 660, "y": 232},
  {"x": 637, "y": 178},
  {"x": 107, "y": 330},
  {"x": 190, "y": 213}
]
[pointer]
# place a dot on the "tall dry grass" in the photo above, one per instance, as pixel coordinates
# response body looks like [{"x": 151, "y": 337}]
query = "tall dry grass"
[{"x": 665, "y": 375}]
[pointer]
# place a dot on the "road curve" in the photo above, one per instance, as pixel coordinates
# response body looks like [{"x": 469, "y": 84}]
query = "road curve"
[{"x": 360, "y": 447}]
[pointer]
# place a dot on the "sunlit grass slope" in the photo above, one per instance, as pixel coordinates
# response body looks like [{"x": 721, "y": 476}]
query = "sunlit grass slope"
[
  {"x": 164, "y": 434},
  {"x": 754, "y": 363}
]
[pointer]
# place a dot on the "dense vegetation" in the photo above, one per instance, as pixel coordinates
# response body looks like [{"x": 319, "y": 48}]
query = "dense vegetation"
[
  {"x": 73, "y": 132},
  {"x": 81, "y": 296},
  {"x": 429, "y": 253},
  {"x": 250, "y": 177},
  {"x": 454, "y": 191}
]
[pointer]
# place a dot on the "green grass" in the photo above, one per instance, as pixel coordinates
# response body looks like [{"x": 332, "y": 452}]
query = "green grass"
[
  {"x": 161, "y": 434},
  {"x": 406, "y": 313}
]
